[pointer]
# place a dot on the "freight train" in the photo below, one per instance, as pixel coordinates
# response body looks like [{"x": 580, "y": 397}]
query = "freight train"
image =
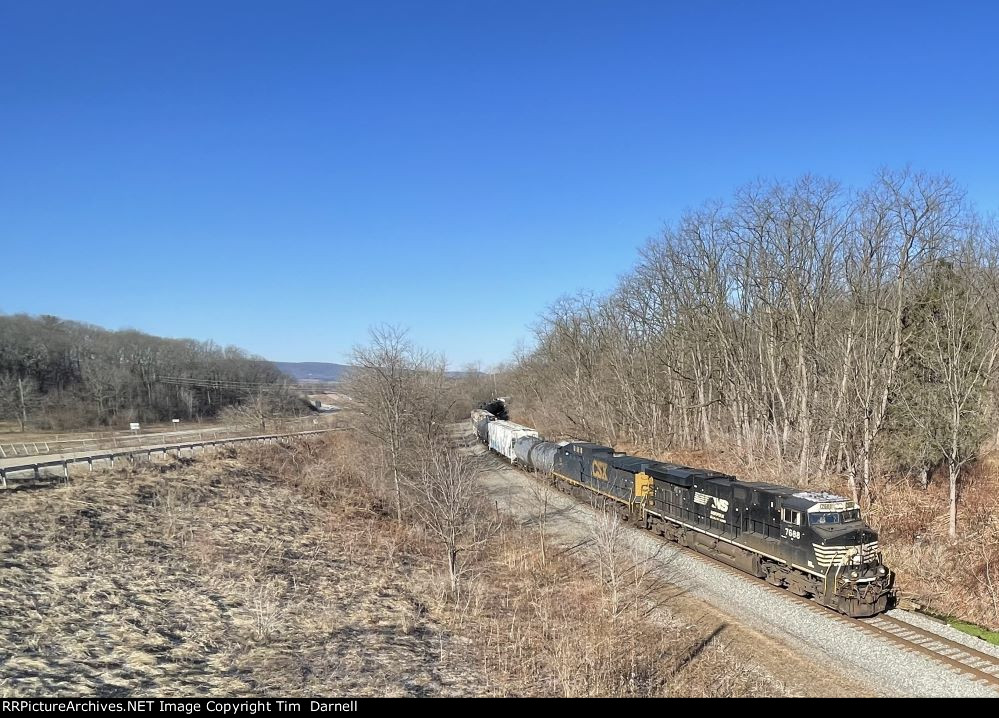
[{"x": 814, "y": 544}]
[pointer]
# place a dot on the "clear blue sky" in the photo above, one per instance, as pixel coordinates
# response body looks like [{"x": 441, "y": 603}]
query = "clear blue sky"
[{"x": 281, "y": 175}]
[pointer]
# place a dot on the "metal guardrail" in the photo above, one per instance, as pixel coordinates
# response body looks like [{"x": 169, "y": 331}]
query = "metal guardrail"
[
  {"x": 90, "y": 458},
  {"x": 10, "y": 448}
]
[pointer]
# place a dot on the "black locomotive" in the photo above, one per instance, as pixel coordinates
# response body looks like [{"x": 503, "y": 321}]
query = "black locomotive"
[{"x": 815, "y": 544}]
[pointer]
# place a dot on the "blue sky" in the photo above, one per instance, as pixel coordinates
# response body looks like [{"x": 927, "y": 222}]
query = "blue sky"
[{"x": 282, "y": 175}]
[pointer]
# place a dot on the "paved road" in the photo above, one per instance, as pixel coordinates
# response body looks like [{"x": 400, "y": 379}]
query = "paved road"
[
  {"x": 13, "y": 446},
  {"x": 96, "y": 457}
]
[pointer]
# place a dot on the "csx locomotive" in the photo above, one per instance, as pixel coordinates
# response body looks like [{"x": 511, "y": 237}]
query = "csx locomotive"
[{"x": 814, "y": 544}]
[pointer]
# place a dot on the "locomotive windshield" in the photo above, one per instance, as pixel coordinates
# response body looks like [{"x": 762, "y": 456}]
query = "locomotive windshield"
[{"x": 834, "y": 517}]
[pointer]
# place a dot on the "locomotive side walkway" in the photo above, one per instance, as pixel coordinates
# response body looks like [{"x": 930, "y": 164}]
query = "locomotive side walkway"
[{"x": 811, "y": 651}]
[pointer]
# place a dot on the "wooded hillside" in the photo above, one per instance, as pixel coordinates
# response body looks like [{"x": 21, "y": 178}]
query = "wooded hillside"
[
  {"x": 818, "y": 327},
  {"x": 63, "y": 374}
]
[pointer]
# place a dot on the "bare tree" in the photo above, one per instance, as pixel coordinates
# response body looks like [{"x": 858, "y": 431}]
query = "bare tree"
[
  {"x": 542, "y": 492},
  {"x": 446, "y": 487},
  {"x": 77, "y": 374},
  {"x": 17, "y": 395},
  {"x": 402, "y": 394},
  {"x": 607, "y": 531},
  {"x": 260, "y": 405},
  {"x": 382, "y": 383},
  {"x": 958, "y": 349},
  {"x": 905, "y": 223},
  {"x": 780, "y": 322}
]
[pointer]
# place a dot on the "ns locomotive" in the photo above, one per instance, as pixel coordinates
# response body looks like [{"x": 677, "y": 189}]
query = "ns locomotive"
[{"x": 814, "y": 544}]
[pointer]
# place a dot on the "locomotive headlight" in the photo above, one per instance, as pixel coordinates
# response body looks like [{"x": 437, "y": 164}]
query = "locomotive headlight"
[
  {"x": 882, "y": 570},
  {"x": 854, "y": 575}
]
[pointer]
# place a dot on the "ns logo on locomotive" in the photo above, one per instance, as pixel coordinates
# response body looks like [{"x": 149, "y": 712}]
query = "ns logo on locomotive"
[{"x": 814, "y": 544}]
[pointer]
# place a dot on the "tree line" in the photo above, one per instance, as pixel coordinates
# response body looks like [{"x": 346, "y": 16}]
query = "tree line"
[
  {"x": 63, "y": 374},
  {"x": 820, "y": 327}
]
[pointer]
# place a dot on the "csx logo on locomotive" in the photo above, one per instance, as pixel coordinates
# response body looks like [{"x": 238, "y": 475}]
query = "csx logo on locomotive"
[{"x": 599, "y": 470}]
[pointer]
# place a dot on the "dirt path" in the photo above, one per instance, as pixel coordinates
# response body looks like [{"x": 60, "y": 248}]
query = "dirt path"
[{"x": 569, "y": 524}]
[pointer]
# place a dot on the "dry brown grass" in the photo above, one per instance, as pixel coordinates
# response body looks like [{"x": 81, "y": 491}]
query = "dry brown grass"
[
  {"x": 212, "y": 577},
  {"x": 952, "y": 577},
  {"x": 278, "y": 569},
  {"x": 555, "y": 628}
]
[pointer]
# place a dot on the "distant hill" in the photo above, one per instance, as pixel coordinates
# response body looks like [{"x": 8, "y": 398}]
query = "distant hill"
[
  {"x": 325, "y": 371},
  {"x": 312, "y": 370}
]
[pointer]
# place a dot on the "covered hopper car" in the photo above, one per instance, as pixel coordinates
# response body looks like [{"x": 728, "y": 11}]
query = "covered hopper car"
[{"x": 504, "y": 434}]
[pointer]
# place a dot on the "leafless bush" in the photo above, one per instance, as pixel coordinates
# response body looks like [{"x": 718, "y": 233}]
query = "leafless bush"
[
  {"x": 541, "y": 493},
  {"x": 447, "y": 505},
  {"x": 607, "y": 532},
  {"x": 552, "y": 629},
  {"x": 947, "y": 576}
]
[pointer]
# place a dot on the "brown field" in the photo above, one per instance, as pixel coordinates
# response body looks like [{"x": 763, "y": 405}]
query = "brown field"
[
  {"x": 278, "y": 570},
  {"x": 209, "y": 578}
]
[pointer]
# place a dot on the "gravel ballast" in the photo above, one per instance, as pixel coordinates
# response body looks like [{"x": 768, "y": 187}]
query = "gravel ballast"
[{"x": 866, "y": 659}]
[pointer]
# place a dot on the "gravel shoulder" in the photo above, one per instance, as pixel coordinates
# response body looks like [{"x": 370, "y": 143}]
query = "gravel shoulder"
[{"x": 809, "y": 652}]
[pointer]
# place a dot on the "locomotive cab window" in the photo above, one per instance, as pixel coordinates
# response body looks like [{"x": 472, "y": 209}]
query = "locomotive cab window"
[
  {"x": 833, "y": 517},
  {"x": 790, "y": 516}
]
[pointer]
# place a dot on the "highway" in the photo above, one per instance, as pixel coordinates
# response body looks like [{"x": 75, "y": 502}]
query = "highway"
[{"x": 15, "y": 471}]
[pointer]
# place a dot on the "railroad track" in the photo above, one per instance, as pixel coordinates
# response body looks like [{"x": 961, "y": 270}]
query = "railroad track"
[
  {"x": 978, "y": 666},
  {"x": 981, "y": 666}
]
